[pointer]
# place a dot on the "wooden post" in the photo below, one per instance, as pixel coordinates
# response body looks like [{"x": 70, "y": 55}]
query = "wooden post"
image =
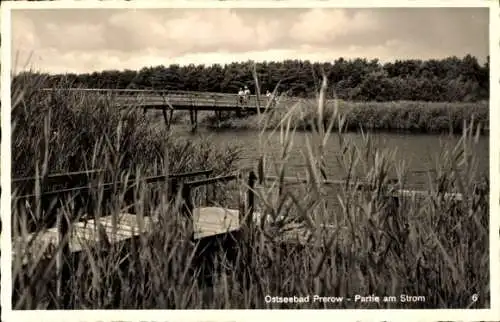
[
  {"x": 252, "y": 178},
  {"x": 394, "y": 204},
  {"x": 191, "y": 119},
  {"x": 173, "y": 189},
  {"x": 393, "y": 200},
  {"x": 170, "y": 117},
  {"x": 244, "y": 266},
  {"x": 206, "y": 190},
  {"x": 195, "y": 119},
  {"x": 62, "y": 262},
  {"x": 214, "y": 192},
  {"x": 218, "y": 115},
  {"x": 165, "y": 117},
  {"x": 241, "y": 199},
  {"x": 187, "y": 205},
  {"x": 193, "y": 115}
]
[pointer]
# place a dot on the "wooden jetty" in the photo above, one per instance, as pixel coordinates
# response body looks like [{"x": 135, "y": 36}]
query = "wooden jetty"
[
  {"x": 214, "y": 228},
  {"x": 170, "y": 101},
  {"x": 208, "y": 222}
]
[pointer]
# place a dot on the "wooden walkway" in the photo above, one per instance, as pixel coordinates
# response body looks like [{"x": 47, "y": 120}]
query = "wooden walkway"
[
  {"x": 170, "y": 101},
  {"x": 180, "y": 100},
  {"x": 207, "y": 222}
]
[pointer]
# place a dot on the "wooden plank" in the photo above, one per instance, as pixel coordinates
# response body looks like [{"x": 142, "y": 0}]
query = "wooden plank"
[
  {"x": 207, "y": 221},
  {"x": 197, "y": 99},
  {"x": 84, "y": 234},
  {"x": 402, "y": 193},
  {"x": 151, "y": 95},
  {"x": 211, "y": 221}
]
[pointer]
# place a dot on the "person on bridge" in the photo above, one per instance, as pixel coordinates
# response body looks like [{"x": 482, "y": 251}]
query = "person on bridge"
[
  {"x": 241, "y": 96},
  {"x": 247, "y": 94},
  {"x": 270, "y": 98}
]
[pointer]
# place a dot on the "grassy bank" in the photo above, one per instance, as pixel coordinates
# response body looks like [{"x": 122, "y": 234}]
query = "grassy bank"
[
  {"x": 398, "y": 116},
  {"x": 76, "y": 132},
  {"x": 410, "y": 116},
  {"x": 434, "y": 247}
]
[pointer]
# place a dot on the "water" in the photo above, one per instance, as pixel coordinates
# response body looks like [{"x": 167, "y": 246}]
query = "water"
[{"x": 419, "y": 151}]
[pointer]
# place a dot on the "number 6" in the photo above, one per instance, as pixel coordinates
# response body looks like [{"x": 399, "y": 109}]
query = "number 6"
[{"x": 475, "y": 297}]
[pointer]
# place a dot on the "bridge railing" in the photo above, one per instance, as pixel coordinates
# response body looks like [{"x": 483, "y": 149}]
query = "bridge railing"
[
  {"x": 245, "y": 209},
  {"x": 79, "y": 187},
  {"x": 393, "y": 189},
  {"x": 32, "y": 238},
  {"x": 176, "y": 183},
  {"x": 193, "y": 98}
]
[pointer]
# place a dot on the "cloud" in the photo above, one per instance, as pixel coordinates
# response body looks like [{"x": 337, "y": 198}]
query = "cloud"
[
  {"x": 322, "y": 26},
  {"x": 70, "y": 36},
  {"x": 24, "y": 36},
  {"x": 96, "y": 39},
  {"x": 194, "y": 30}
]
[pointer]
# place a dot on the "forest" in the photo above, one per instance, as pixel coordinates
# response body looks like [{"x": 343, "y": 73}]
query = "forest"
[{"x": 450, "y": 79}]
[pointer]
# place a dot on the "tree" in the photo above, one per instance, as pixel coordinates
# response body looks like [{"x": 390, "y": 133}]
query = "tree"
[{"x": 445, "y": 79}]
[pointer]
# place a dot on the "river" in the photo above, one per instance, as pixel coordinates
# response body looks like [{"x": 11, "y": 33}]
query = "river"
[{"x": 419, "y": 151}]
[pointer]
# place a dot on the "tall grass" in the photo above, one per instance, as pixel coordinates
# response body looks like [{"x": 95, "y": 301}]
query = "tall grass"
[
  {"x": 76, "y": 131},
  {"x": 409, "y": 116},
  {"x": 434, "y": 246}
]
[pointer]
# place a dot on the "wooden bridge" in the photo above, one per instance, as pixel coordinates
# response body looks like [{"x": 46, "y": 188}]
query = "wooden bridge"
[{"x": 170, "y": 101}]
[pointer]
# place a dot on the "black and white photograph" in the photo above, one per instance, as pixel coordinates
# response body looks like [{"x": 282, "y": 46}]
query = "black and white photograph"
[{"x": 238, "y": 157}]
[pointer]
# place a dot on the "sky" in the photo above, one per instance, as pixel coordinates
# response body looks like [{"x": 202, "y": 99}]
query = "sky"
[{"x": 87, "y": 40}]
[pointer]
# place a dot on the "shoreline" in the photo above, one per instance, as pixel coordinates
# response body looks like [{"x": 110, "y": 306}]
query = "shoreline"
[
  {"x": 405, "y": 117},
  {"x": 484, "y": 133}
]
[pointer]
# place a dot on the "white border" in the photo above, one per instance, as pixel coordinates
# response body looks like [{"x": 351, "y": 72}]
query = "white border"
[
  {"x": 252, "y": 315},
  {"x": 5, "y": 162}
]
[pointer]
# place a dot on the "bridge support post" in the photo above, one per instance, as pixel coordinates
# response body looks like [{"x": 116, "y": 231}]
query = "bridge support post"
[
  {"x": 218, "y": 116},
  {"x": 193, "y": 115},
  {"x": 165, "y": 117},
  {"x": 170, "y": 118},
  {"x": 195, "y": 119}
]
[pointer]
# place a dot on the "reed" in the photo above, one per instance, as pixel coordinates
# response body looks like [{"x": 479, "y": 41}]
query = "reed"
[{"x": 433, "y": 247}]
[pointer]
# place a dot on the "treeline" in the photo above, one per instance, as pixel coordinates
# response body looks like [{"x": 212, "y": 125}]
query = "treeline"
[{"x": 451, "y": 79}]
